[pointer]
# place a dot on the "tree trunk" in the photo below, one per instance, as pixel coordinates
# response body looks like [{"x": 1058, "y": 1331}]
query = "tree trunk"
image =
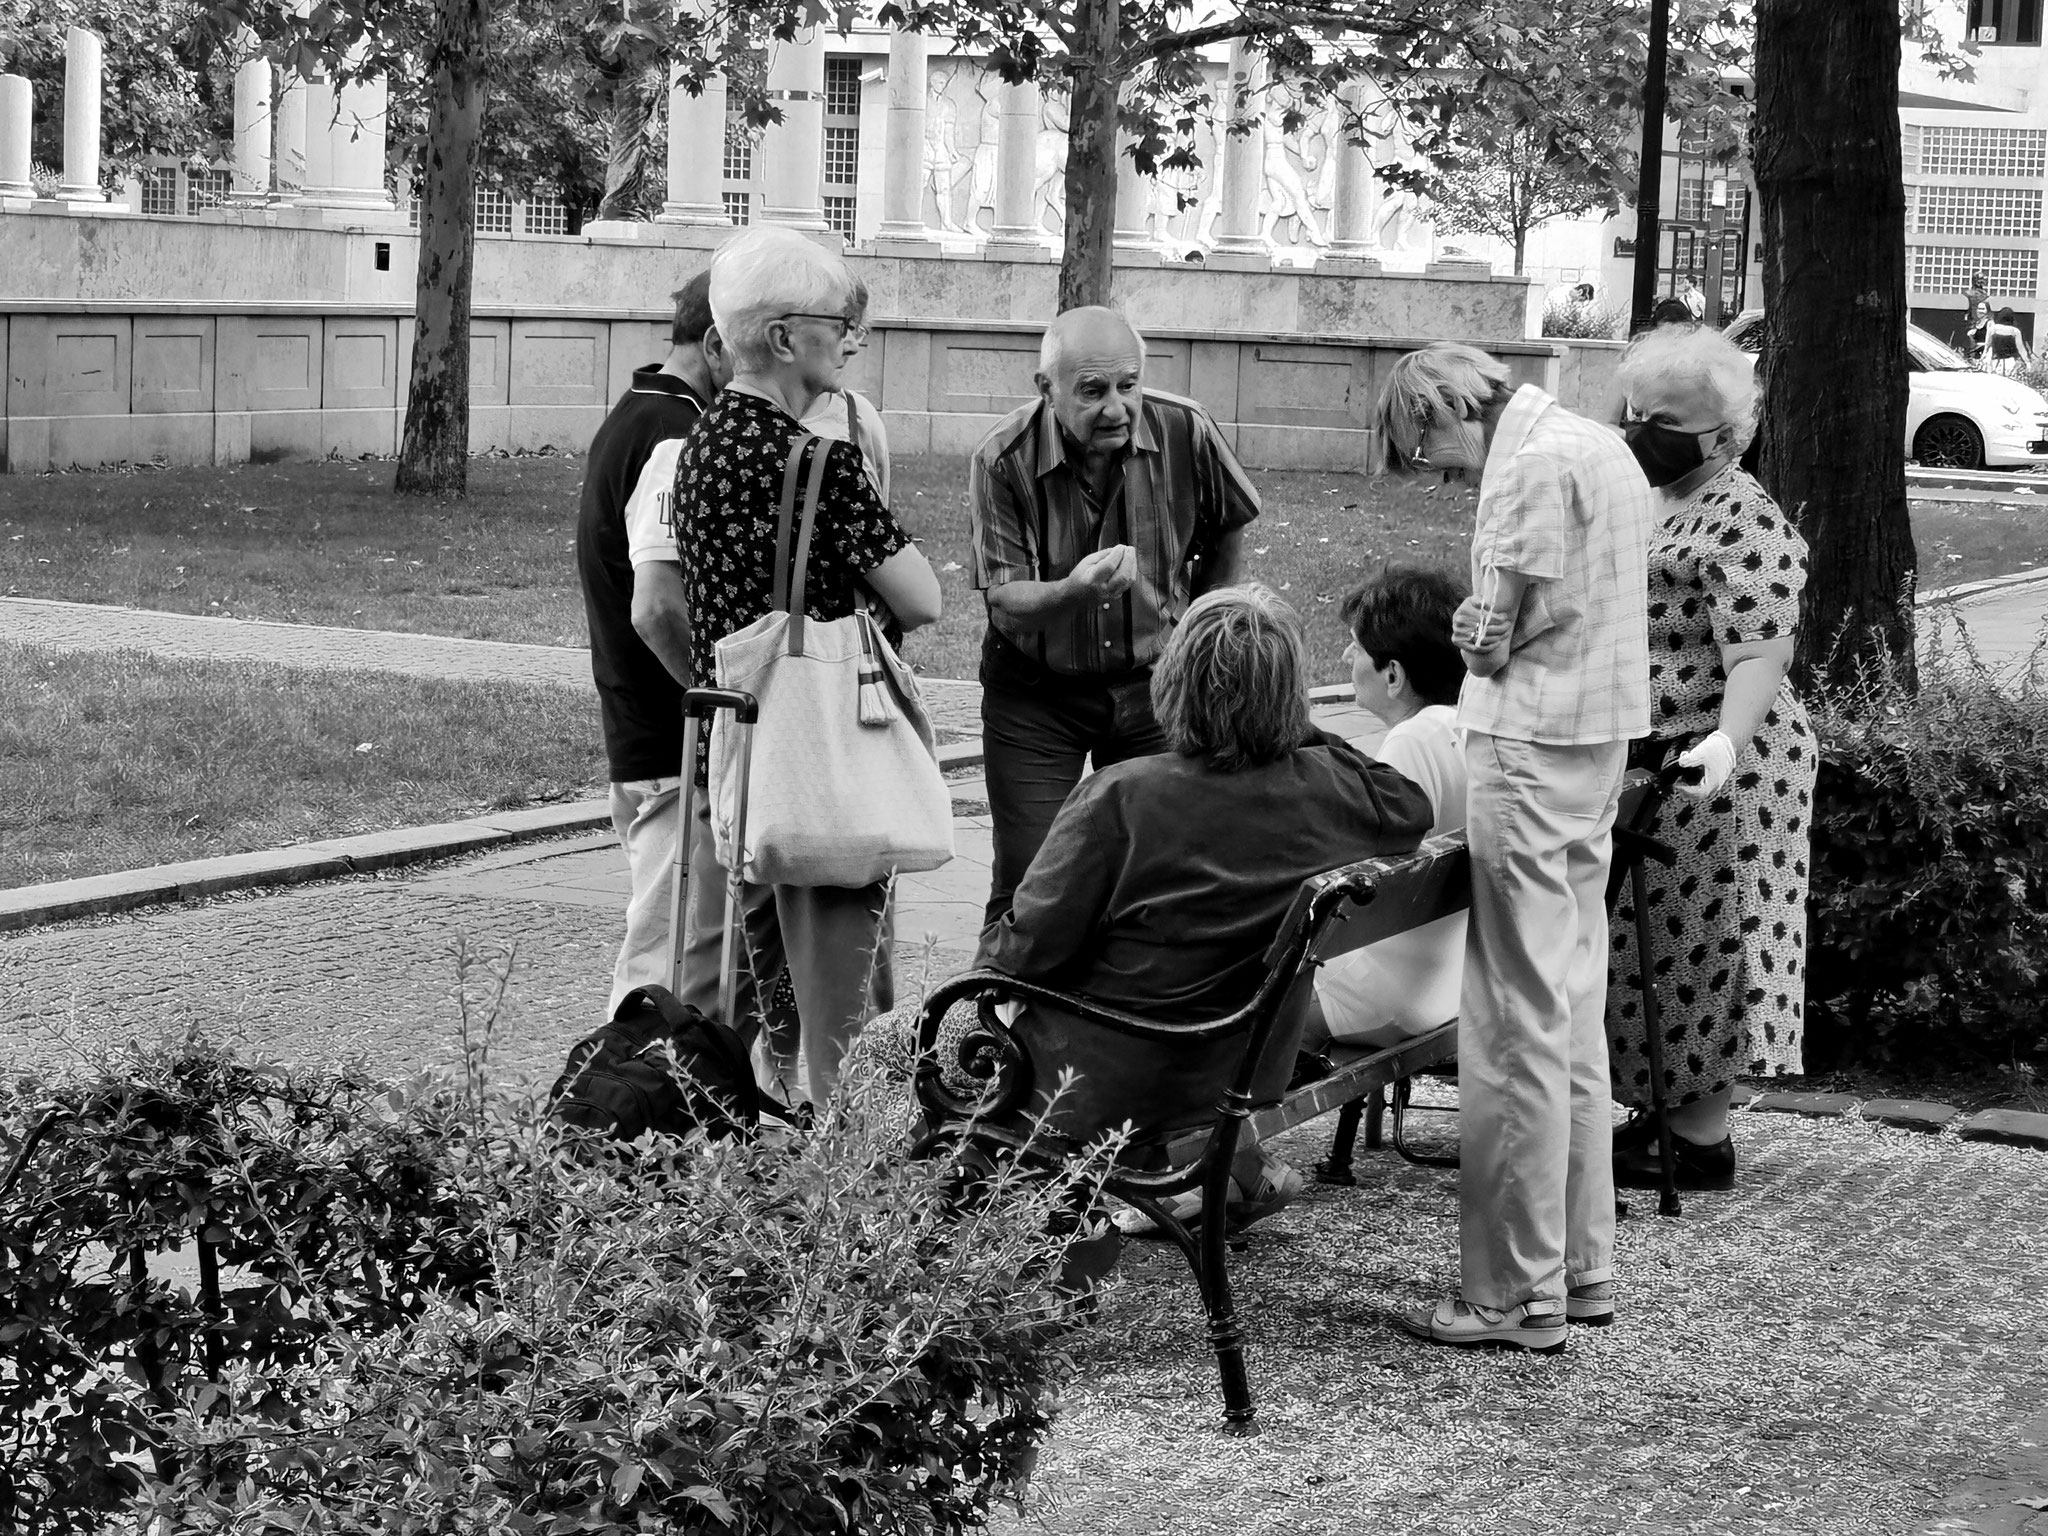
[
  {"x": 1092, "y": 166},
  {"x": 434, "y": 460},
  {"x": 1825, "y": 146},
  {"x": 1521, "y": 246}
]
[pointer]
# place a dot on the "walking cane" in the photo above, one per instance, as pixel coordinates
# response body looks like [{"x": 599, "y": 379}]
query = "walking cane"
[{"x": 1636, "y": 844}]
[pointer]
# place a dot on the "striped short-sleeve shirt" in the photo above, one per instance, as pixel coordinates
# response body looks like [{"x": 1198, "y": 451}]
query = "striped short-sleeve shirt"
[
  {"x": 1564, "y": 504},
  {"x": 1177, "y": 491}
]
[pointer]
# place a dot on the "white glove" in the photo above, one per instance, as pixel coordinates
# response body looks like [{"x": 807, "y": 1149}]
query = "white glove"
[{"x": 1715, "y": 758}]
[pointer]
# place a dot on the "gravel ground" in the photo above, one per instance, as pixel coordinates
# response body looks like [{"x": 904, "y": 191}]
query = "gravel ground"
[{"x": 1851, "y": 1341}]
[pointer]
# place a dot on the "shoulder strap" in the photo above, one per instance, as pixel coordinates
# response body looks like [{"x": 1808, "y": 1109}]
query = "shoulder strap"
[
  {"x": 812, "y": 487},
  {"x": 791, "y": 469}
]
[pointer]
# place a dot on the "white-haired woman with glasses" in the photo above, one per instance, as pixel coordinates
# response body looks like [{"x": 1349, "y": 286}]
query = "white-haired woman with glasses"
[
  {"x": 783, "y": 308},
  {"x": 1726, "y": 569}
]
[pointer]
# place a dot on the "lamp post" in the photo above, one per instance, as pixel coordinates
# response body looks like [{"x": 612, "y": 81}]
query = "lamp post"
[
  {"x": 1650, "y": 180},
  {"x": 1717, "y": 222}
]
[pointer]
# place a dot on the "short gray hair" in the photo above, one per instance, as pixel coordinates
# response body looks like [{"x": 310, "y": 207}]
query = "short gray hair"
[
  {"x": 1232, "y": 685},
  {"x": 765, "y": 273},
  {"x": 1053, "y": 341},
  {"x": 1445, "y": 382},
  {"x": 1694, "y": 357}
]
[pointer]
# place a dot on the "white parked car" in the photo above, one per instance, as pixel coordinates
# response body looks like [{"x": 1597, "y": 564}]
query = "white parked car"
[{"x": 1956, "y": 417}]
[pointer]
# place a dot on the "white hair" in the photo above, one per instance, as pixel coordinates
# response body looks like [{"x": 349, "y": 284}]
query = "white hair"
[
  {"x": 1054, "y": 341},
  {"x": 766, "y": 273},
  {"x": 1679, "y": 358}
]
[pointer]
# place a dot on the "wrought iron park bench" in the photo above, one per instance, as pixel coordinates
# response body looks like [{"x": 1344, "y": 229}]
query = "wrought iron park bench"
[{"x": 1002, "y": 1073}]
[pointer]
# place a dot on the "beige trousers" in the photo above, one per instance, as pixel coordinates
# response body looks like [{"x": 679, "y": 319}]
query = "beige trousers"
[
  {"x": 644, "y": 815},
  {"x": 828, "y": 936},
  {"x": 1536, "y": 1119}
]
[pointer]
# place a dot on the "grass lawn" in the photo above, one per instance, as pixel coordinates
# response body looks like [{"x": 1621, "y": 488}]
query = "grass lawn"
[
  {"x": 121, "y": 760},
  {"x": 328, "y": 544}
]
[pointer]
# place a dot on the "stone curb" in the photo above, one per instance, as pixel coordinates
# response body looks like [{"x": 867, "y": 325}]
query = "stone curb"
[
  {"x": 1990, "y": 584},
  {"x": 2011, "y": 1127},
  {"x": 32, "y": 906}
]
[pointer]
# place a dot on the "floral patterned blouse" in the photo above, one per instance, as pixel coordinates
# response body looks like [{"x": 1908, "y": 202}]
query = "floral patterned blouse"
[{"x": 727, "y": 498}]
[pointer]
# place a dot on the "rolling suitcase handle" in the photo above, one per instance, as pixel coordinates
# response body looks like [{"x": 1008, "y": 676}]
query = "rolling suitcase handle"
[{"x": 699, "y": 705}]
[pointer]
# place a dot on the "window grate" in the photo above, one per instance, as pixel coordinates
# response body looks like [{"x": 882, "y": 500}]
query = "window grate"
[
  {"x": 839, "y": 215},
  {"x": 1948, "y": 268},
  {"x": 2019, "y": 153},
  {"x": 739, "y": 206},
  {"x": 842, "y": 87},
  {"x": 2014, "y": 212},
  {"x": 842, "y": 156},
  {"x": 493, "y": 212},
  {"x": 546, "y": 215},
  {"x": 207, "y": 189},
  {"x": 160, "y": 191},
  {"x": 739, "y": 150}
]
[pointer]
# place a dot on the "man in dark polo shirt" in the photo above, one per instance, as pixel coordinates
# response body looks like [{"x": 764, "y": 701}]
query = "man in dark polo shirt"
[
  {"x": 1100, "y": 511},
  {"x": 639, "y": 623}
]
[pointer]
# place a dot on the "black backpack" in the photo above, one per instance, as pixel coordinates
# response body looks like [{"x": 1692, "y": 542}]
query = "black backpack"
[{"x": 660, "y": 1065}]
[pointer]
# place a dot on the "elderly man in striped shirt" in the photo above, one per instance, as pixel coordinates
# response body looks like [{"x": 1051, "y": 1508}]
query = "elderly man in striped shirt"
[{"x": 1100, "y": 511}]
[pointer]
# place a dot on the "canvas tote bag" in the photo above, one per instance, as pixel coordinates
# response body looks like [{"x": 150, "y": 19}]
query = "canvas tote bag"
[{"x": 846, "y": 788}]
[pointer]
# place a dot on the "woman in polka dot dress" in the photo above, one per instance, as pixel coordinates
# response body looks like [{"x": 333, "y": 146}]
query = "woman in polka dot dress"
[{"x": 1728, "y": 921}]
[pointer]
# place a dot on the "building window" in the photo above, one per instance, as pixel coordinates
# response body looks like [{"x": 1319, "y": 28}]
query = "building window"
[
  {"x": 739, "y": 150},
  {"x": 2005, "y": 21},
  {"x": 493, "y": 212},
  {"x": 1947, "y": 269},
  {"x": 842, "y": 87},
  {"x": 1694, "y": 187},
  {"x": 839, "y": 214},
  {"x": 160, "y": 190},
  {"x": 547, "y": 215},
  {"x": 842, "y": 156},
  {"x": 739, "y": 206},
  {"x": 2018, "y": 153},
  {"x": 2012, "y": 212},
  {"x": 207, "y": 189}
]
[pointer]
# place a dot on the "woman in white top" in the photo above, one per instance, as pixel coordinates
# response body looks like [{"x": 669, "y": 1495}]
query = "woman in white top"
[{"x": 1405, "y": 669}]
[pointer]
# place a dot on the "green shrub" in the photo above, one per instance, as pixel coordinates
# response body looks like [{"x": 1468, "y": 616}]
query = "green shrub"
[
  {"x": 433, "y": 1314},
  {"x": 1929, "y": 913},
  {"x": 1587, "y": 319}
]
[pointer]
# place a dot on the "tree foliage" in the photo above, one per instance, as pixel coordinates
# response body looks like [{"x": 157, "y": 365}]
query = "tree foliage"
[
  {"x": 168, "y": 85},
  {"x": 1504, "y": 184}
]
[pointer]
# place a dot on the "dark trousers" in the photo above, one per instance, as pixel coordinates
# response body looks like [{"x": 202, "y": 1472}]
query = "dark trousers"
[{"x": 1034, "y": 739}]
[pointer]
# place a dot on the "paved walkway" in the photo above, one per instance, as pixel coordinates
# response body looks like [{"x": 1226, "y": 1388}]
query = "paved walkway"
[{"x": 90, "y": 627}]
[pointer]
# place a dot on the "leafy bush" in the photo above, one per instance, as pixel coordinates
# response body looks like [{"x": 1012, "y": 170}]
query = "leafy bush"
[
  {"x": 433, "y": 1312},
  {"x": 1929, "y": 913},
  {"x": 1587, "y": 319}
]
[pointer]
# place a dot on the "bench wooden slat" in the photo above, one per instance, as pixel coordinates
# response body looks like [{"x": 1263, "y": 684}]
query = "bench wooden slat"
[{"x": 1352, "y": 1080}]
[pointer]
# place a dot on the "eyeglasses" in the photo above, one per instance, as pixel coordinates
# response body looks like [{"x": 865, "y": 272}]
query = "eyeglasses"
[{"x": 846, "y": 327}]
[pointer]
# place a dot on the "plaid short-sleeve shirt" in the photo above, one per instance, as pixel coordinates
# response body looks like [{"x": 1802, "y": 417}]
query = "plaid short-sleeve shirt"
[
  {"x": 1564, "y": 504},
  {"x": 1178, "y": 490}
]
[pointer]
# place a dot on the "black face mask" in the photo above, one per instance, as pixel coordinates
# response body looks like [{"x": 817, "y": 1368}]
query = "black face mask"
[{"x": 1665, "y": 453}]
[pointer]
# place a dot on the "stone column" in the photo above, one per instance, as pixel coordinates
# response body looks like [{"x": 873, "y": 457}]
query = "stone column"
[
  {"x": 902, "y": 231},
  {"x": 252, "y": 128},
  {"x": 1132, "y": 238},
  {"x": 82, "y": 54},
  {"x": 1017, "y": 235},
  {"x": 17, "y": 111},
  {"x": 1354, "y": 199},
  {"x": 792, "y": 151},
  {"x": 345, "y": 146},
  {"x": 1242, "y": 176},
  {"x": 288, "y": 163},
  {"x": 696, "y": 154}
]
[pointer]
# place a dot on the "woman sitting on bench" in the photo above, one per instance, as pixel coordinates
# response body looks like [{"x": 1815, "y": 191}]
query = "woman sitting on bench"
[{"x": 1165, "y": 879}]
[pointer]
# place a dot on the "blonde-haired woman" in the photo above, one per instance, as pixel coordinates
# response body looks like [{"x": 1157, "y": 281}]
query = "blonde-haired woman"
[{"x": 1729, "y": 919}]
